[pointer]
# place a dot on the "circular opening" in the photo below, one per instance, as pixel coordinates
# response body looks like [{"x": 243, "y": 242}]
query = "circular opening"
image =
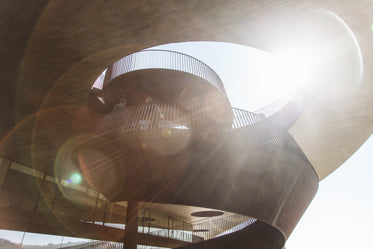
[{"x": 207, "y": 213}]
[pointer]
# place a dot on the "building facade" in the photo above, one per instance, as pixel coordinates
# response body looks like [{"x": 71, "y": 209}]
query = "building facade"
[{"x": 94, "y": 127}]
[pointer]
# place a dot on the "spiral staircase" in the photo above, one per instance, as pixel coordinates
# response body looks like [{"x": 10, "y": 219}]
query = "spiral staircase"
[
  {"x": 184, "y": 170},
  {"x": 189, "y": 148}
]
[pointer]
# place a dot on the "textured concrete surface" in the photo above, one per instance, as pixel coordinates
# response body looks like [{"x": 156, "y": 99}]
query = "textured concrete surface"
[{"x": 53, "y": 55}]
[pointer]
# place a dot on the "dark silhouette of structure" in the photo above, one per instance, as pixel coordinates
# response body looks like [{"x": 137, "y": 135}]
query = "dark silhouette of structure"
[{"x": 183, "y": 170}]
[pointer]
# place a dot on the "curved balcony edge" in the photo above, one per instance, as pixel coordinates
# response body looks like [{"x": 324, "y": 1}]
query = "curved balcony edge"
[
  {"x": 266, "y": 182},
  {"x": 159, "y": 59}
]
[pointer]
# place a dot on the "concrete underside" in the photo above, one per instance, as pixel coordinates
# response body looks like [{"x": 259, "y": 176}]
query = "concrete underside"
[{"x": 52, "y": 52}]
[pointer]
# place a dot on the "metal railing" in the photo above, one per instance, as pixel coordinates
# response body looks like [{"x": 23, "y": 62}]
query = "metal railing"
[
  {"x": 205, "y": 229},
  {"x": 215, "y": 226},
  {"x": 89, "y": 245},
  {"x": 239, "y": 227},
  {"x": 287, "y": 142},
  {"x": 154, "y": 116},
  {"x": 171, "y": 117},
  {"x": 164, "y": 59},
  {"x": 243, "y": 118},
  {"x": 108, "y": 245},
  {"x": 162, "y": 225}
]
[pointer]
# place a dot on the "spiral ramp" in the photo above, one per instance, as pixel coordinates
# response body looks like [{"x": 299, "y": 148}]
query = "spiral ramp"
[
  {"x": 204, "y": 174},
  {"x": 242, "y": 164},
  {"x": 187, "y": 158}
]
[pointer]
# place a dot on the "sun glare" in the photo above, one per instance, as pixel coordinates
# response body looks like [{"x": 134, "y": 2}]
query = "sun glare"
[
  {"x": 318, "y": 51},
  {"x": 292, "y": 71}
]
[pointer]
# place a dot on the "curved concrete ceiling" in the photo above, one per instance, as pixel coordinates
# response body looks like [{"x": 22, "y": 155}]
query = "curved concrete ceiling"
[{"x": 55, "y": 61}]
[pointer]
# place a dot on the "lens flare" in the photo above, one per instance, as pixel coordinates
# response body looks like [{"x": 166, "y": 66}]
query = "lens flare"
[
  {"x": 166, "y": 133},
  {"x": 75, "y": 178}
]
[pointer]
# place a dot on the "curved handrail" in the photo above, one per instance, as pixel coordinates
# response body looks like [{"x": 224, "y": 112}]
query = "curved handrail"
[
  {"x": 148, "y": 117},
  {"x": 243, "y": 121},
  {"x": 243, "y": 118},
  {"x": 176, "y": 120},
  {"x": 160, "y": 59},
  {"x": 179, "y": 233}
]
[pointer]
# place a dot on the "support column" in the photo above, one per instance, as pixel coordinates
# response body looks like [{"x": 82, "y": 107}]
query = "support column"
[
  {"x": 35, "y": 209},
  {"x": 4, "y": 167},
  {"x": 95, "y": 210},
  {"x": 104, "y": 218},
  {"x": 130, "y": 232}
]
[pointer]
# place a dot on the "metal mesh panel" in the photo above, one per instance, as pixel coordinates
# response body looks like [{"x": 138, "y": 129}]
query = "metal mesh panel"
[{"x": 164, "y": 59}]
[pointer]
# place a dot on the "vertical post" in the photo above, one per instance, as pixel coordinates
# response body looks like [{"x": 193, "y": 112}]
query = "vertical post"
[
  {"x": 168, "y": 226},
  {"x": 150, "y": 218},
  {"x": 39, "y": 195},
  {"x": 130, "y": 232},
  {"x": 172, "y": 225},
  {"x": 57, "y": 191},
  {"x": 104, "y": 218},
  {"x": 94, "y": 211},
  {"x": 143, "y": 220},
  {"x": 62, "y": 241},
  {"x": 184, "y": 230},
  {"x": 4, "y": 167},
  {"x": 23, "y": 238},
  {"x": 146, "y": 218}
]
